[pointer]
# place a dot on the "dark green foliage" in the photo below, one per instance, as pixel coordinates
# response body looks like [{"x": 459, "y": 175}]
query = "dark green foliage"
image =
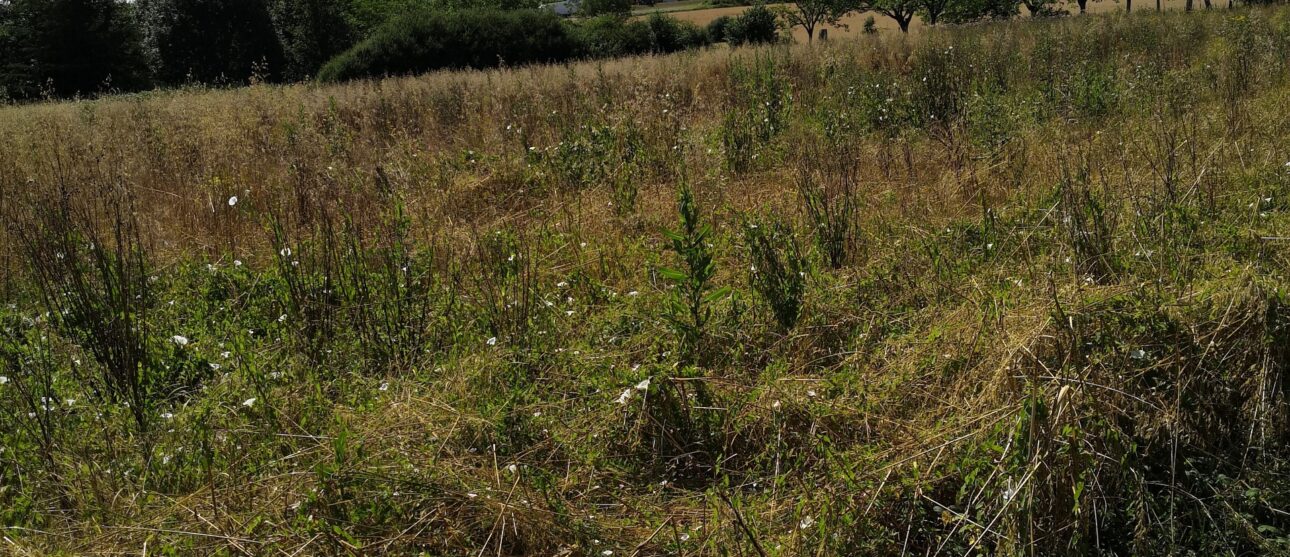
[
  {"x": 717, "y": 28},
  {"x": 311, "y": 32},
  {"x": 211, "y": 41},
  {"x": 426, "y": 40},
  {"x": 590, "y": 8},
  {"x": 69, "y": 47},
  {"x": 778, "y": 270},
  {"x": 690, "y": 306},
  {"x": 757, "y": 25}
]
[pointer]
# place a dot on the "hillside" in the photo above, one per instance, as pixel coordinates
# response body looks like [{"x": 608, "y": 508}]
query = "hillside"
[{"x": 1014, "y": 288}]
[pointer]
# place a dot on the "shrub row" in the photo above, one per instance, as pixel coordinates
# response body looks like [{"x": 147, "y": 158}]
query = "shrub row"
[{"x": 429, "y": 40}]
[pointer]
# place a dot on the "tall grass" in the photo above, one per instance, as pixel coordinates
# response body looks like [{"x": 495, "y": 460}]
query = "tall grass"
[{"x": 1007, "y": 288}]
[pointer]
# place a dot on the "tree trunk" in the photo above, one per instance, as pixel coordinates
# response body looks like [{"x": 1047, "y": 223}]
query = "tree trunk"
[
  {"x": 1188, "y": 7},
  {"x": 1083, "y": 6},
  {"x": 904, "y": 23},
  {"x": 1128, "y": 6}
]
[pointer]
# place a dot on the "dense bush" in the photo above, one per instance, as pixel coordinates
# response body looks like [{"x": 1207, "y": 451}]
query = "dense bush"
[
  {"x": 755, "y": 26},
  {"x": 717, "y": 28},
  {"x": 591, "y": 8},
  {"x": 425, "y": 40}
]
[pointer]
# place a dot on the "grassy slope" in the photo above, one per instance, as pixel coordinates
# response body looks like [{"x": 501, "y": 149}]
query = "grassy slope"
[{"x": 1058, "y": 325}]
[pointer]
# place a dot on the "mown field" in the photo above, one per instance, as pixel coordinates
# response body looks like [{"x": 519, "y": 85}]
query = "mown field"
[{"x": 1016, "y": 288}]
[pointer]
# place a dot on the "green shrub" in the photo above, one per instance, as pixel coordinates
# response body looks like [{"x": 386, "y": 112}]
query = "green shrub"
[
  {"x": 609, "y": 36},
  {"x": 592, "y": 8},
  {"x": 425, "y": 40},
  {"x": 757, "y": 25},
  {"x": 717, "y": 28}
]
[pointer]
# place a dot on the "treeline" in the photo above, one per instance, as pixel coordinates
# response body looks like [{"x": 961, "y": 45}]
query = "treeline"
[{"x": 67, "y": 48}]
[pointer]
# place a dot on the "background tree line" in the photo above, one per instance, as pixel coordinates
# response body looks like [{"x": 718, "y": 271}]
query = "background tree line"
[{"x": 65, "y": 48}]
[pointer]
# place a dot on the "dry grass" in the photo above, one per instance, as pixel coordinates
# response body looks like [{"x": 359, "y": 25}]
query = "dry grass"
[{"x": 1060, "y": 327}]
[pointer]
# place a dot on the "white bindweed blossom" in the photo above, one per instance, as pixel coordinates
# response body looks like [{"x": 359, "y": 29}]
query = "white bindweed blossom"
[
  {"x": 232, "y": 201},
  {"x": 643, "y": 385},
  {"x": 806, "y": 522},
  {"x": 626, "y": 396},
  {"x": 285, "y": 252},
  {"x": 492, "y": 341},
  {"x": 384, "y": 387},
  {"x": 3, "y": 380},
  {"x": 249, "y": 403},
  {"x": 179, "y": 340}
]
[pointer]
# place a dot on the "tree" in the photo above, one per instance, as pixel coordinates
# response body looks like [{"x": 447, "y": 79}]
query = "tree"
[
  {"x": 810, "y": 14},
  {"x": 902, "y": 11},
  {"x": 69, "y": 47},
  {"x": 932, "y": 10},
  {"x": 311, "y": 33},
  {"x": 211, "y": 41},
  {"x": 756, "y": 25},
  {"x": 591, "y": 8}
]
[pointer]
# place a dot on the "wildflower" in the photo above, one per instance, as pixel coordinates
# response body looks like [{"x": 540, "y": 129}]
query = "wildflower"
[
  {"x": 492, "y": 341},
  {"x": 806, "y": 523},
  {"x": 512, "y": 469},
  {"x": 384, "y": 387},
  {"x": 1138, "y": 354},
  {"x": 167, "y": 415},
  {"x": 232, "y": 201},
  {"x": 249, "y": 403},
  {"x": 626, "y": 396},
  {"x": 3, "y": 380},
  {"x": 285, "y": 252},
  {"x": 643, "y": 385},
  {"x": 214, "y": 366},
  {"x": 179, "y": 340}
]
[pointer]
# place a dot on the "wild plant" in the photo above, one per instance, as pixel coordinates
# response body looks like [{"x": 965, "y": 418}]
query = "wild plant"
[
  {"x": 827, "y": 186},
  {"x": 96, "y": 286},
  {"x": 778, "y": 268},
  {"x": 692, "y": 295},
  {"x": 505, "y": 289},
  {"x": 1089, "y": 226},
  {"x": 757, "y": 101}
]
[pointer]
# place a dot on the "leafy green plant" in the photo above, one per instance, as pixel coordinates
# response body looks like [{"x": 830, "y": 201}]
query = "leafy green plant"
[
  {"x": 778, "y": 270},
  {"x": 692, "y": 295}
]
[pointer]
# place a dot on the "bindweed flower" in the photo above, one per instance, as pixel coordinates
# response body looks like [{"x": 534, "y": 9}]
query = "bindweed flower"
[
  {"x": 232, "y": 201},
  {"x": 179, "y": 340},
  {"x": 249, "y": 403}
]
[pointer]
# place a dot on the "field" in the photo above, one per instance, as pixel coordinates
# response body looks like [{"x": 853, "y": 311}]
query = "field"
[{"x": 1015, "y": 288}]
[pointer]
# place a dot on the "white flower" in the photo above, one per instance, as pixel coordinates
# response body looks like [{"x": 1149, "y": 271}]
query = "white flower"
[
  {"x": 626, "y": 396},
  {"x": 806, "y": 523},
  {"x": 232, "y": 201},
  {"x": 285, "y": 252},
  {"x": 237, "y": 262},
  {"x": 492, "y": 341},
  {"x": 3, "y": 379},
  {"x": 1138, "y": 354},
  {"x": 250, "y": 402},
  {"x": 512, "y": 469},
  {"x": 810, "y": 392},
  {"x": 633, "y": 293},
  {"x": 167, "y": 415},
  {"x": 179, "y": 340},
  {"x": 384, "y": 387},
  {"x": 214, "y": 366},
  {"x": 643, "y": 385}
]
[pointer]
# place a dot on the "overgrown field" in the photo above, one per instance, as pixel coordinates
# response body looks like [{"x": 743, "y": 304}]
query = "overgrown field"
[{"x": 1005, "y": 289}]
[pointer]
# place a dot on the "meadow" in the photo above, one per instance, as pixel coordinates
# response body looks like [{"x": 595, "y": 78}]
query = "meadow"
[{"x": 1014, "y": 288}]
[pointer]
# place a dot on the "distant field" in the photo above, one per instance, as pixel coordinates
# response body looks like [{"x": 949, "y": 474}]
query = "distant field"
[{"x": 1014, "y": 289}]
